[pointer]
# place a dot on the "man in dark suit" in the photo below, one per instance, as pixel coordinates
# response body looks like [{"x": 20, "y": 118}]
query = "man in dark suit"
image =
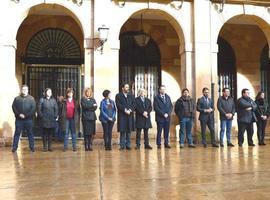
[
  {"x": 143, "y": 119},
  {"x": 125, "y": 104},
  {"x": 163, "y": 108},
  {"x": 206, "y": 108},
  {"x": 246, "y": 108}
]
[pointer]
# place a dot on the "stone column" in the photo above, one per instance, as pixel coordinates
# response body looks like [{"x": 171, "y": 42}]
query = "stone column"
[
  {"x": 205, "y": 59},
  {"x": 106, "y": 74},
  {"x": 8, "y": 90},
  {"x": 187, "y": 69}
]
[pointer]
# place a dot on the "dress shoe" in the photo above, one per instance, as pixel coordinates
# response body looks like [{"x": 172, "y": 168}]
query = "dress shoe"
[
  {"x": 148, "y": 147},
  {"x": 251, "y": 145},
  {"x": 263, "y": 144},
  {"x": 221, "y": 145},
  {"x": 14, "y": 150},
  {"x": 167, "y": 146},
  {"x": 90, "y": 149},
  {"x": 74, "y": 149},
  {"x": 240, "y": 145},
  {"x": 128, "y": 148},
  {"x": 159, "y": 146},
  {"x": 182, "y": 146},
  {"x": 137, "y": 147},
  {"x": 230, "y": 145},
  {"x": 215, "y": 145},
  {"x": 121, "y": 148},
  {"x": 192, "y": 146},
  {"x": 50, "y": 150}
]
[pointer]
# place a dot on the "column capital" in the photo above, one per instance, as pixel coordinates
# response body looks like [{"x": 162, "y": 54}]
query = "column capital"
[
  {"x": 214, "y": 48},
  {"x": 188, "y": 47}
]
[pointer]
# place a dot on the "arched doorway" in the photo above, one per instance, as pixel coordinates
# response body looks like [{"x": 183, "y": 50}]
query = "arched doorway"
[
  {"x": 50, "y": 52},
  {"x": 163, "y": 51},
  {"x": 53, "y": 59},
  {"x": 243, "y": 39},
  {"x": 226, "y": 68},
  {"x": 157, "y": 62},
  {"x": 139, "y": 66}
]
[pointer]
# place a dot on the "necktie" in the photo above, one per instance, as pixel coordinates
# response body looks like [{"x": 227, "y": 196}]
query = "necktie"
[
  {"x": 163, "y": 98},
  {"x": 143, "y": 100}
]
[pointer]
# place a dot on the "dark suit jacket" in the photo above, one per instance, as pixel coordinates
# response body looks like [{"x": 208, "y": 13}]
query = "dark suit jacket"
[
  {"x": 262, "y": 109},
  {"x": 125, "y": 122},
  {"x": 161, "y": 108},
  {"x": 243, "y": 115},
  {"x": 141, "y": 107},
  {"x": 202, "y": 105},
  {"x": 225, "y": 106},
  {"x": 88, "y": 109}
]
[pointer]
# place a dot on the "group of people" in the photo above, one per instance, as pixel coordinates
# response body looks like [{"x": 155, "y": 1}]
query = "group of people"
[{"x": 135, "y": 114}]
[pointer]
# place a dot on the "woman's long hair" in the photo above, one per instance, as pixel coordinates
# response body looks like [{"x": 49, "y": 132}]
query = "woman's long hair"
[{"x": 258, "y": 97}]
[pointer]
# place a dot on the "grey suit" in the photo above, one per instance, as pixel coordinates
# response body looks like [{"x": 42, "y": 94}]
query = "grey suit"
[{"x": 206, "y": 119}]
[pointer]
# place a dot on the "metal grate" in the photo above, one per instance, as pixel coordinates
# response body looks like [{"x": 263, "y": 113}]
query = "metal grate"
[
  {"x": 53, "y": 46},
  {"x": 56, "y": 77},
  {"x": 139, "y": 66},
  {"x": 226, "y": 68},
  {"x": 265, "y": 72}
]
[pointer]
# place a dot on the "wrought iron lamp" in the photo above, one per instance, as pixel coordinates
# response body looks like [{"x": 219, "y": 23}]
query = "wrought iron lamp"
[
  {"x": 141, "y": 37},
  {"x": 177, "y": 4},
  {"x": 222, "y": 3},
  {"x": 103, "y": 36},
  {"x": 97, "y": 43}
]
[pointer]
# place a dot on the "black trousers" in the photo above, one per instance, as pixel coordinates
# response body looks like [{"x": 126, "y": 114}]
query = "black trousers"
[
  {"x": 261, "y": 124},
  {"x": 47, "y": 138},
  {"x": 89, "y": 130},
  {"x": 88, "y": 139},
  {"x": 138, "y": 136},
  {"x": 107, "y": 133},
  {"x": 242, "y": 127},
  {"x": 210, "y": 124}
]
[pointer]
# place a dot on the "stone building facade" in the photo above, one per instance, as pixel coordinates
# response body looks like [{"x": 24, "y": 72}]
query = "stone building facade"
[{"x": 192, "y": 43}]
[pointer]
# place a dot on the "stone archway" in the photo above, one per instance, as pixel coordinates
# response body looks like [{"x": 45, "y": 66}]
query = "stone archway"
[
  {"x": 169, "y": 40},
  {"x": 247, "y": 38},
  {"x": 50, "y": 52}
]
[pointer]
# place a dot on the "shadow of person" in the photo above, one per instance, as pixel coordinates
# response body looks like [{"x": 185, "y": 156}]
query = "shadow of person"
[{"x": 6, "y": 134}]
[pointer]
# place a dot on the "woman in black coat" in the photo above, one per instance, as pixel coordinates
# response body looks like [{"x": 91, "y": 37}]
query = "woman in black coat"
[
  {"x": 89, "y": 106},
  {"x": 262, "y": 113},
  {"x": 143, "y": 107},
  {"x": 48, "y": 113}
]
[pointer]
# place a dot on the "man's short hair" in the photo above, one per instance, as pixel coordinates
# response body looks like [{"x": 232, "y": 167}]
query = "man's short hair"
[
  {"x": 204, "y": 89},
  {"x": 226, "y": 88},
  {"x": 244, "y": 90}
]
